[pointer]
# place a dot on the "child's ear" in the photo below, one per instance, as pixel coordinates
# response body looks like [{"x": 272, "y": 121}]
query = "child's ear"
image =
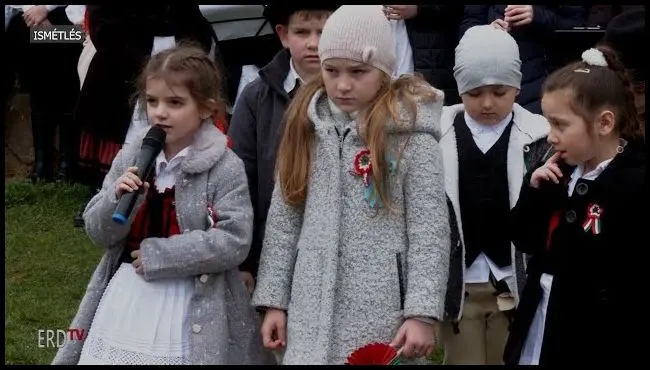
[
  {"x": 210, "y": 107},
  {"x": 283, "y": 34},
  {"x": 606, "y": 122}
]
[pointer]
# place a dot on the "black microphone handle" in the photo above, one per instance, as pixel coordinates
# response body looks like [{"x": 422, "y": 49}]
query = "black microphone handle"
[
  {"x": 145, "y": 162},
  {"x": 125, "y": 206}
]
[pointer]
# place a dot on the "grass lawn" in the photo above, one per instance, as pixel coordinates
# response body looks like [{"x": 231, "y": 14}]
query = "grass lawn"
[{"x": 47, "y": 266}]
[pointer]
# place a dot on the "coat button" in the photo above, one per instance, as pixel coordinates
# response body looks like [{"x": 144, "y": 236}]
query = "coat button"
[
  {"x": 570, "y": 216},
  {"x": 196, "y": 328},
  {"x": 582, "y": 188},
  {"x": 203, "y": 278}
]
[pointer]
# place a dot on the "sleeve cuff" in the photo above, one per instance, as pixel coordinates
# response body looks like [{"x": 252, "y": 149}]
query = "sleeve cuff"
[
  {"x": 263, "y": 309},
  {"x": 426, "y": 320}
]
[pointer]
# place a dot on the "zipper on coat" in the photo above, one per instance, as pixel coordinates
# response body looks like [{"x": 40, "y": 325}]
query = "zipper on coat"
[
  {"x": 341, "y": 139},
  {"x": 400, "y": 279}
]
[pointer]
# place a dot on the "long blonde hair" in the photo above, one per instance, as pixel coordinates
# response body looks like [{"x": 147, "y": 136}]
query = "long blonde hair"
[{"x": 294, "y": 154}]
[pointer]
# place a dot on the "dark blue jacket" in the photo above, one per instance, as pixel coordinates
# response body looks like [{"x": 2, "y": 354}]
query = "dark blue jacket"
[
  {"x": 256, "y": 129},
  {"x": 433, "y": 35}
]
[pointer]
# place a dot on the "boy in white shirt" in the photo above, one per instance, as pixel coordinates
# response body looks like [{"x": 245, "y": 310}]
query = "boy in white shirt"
[{"x": 488, "y": 142}]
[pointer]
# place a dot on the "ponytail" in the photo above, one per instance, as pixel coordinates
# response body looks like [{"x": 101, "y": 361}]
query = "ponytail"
[
  {"x": 630, "y": 126},
  {"x": 294, "y": 153},
  {"x": 409, "y": 90},
  {"x": 599, "y": 82}
]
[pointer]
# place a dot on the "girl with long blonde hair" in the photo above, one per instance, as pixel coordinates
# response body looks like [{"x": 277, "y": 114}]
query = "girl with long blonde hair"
[{"x": 357, "y": 239}]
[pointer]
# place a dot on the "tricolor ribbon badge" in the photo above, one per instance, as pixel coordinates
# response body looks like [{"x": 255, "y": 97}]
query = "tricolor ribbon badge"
[
  {"x": 212, "y": 217},
  {"x": 363, "y": 165},
  {"x": 593, "y": 222}
]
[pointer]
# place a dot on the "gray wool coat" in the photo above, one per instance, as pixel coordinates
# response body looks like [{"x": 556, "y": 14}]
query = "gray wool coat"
[
  {"x": 345, "y": 274},
  {"x": 224, "y": 327},
  {"x": 526, "y": 136}
]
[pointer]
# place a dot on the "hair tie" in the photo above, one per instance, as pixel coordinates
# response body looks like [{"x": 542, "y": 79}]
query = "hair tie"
[{"x": 594, "y": 57}]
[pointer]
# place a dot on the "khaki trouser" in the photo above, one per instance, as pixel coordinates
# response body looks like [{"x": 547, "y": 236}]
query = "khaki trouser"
[
  {"x": 278, "y": 354},
  {"x": 483, "y": 330}
]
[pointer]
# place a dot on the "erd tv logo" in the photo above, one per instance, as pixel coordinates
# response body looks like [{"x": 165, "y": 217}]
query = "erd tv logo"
[{"x": 50, "y": 338}]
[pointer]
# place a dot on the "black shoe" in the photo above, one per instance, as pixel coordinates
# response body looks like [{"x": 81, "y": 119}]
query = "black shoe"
[
  {"x": 64, "y": 174},
  {"x": 79, "y": 220},
  {"x": 37, "y": 172},
  {"x": 40, "y": 174}
]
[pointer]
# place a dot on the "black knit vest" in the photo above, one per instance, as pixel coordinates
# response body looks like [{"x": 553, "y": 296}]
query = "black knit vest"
[{"x": 483, "y": 195}]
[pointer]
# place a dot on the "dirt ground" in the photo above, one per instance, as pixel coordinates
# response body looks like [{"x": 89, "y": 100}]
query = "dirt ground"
[{"x": 19, "y": 154}]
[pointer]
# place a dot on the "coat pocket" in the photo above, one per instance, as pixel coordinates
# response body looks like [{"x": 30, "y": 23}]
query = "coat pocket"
[{"x": 400, "y": 279}]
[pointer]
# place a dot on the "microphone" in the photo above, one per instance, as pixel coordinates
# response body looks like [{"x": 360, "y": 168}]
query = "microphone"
[{"x": 152, "y": 144}]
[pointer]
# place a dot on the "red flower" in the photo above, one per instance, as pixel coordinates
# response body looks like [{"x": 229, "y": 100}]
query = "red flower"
[{"x": 363, "y": 165}]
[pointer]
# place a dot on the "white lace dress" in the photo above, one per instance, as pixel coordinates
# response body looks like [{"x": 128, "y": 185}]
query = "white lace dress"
[{"x": 140, "y": 322}]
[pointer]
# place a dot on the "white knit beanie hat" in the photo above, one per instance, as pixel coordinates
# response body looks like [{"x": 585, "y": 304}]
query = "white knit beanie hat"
[
  {"x": 360, "y": 33},
  {"x": 487, "y": 56}
]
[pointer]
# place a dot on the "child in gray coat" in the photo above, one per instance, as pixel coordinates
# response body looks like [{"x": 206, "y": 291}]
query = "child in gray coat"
[
  {"x": 356, "y": 247},
  {"x": 167, "y": 290}
]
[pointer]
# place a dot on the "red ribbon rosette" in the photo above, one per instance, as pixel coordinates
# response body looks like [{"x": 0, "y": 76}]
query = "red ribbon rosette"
[
  {"x": 593, "y": 223},
  {"x": 363, "y": 165},
  {"x": 212, "y": 216}
]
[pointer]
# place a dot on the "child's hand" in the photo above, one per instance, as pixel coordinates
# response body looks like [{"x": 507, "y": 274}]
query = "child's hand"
[
  {"x": 500, "y": 24},
  {"x": 398, "y": 12},
  {"x": 274, "y": 329},
  {"x": 416, "y": 339},
  {"x": 248, "y": 280},
  {"x": 550, "y": 171},
  {"x": 35, "y": 15},
  {"x": 137, "y": 262},
  {"x": 519, "y": 15},
  {"x": 129, "y": 182}
]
